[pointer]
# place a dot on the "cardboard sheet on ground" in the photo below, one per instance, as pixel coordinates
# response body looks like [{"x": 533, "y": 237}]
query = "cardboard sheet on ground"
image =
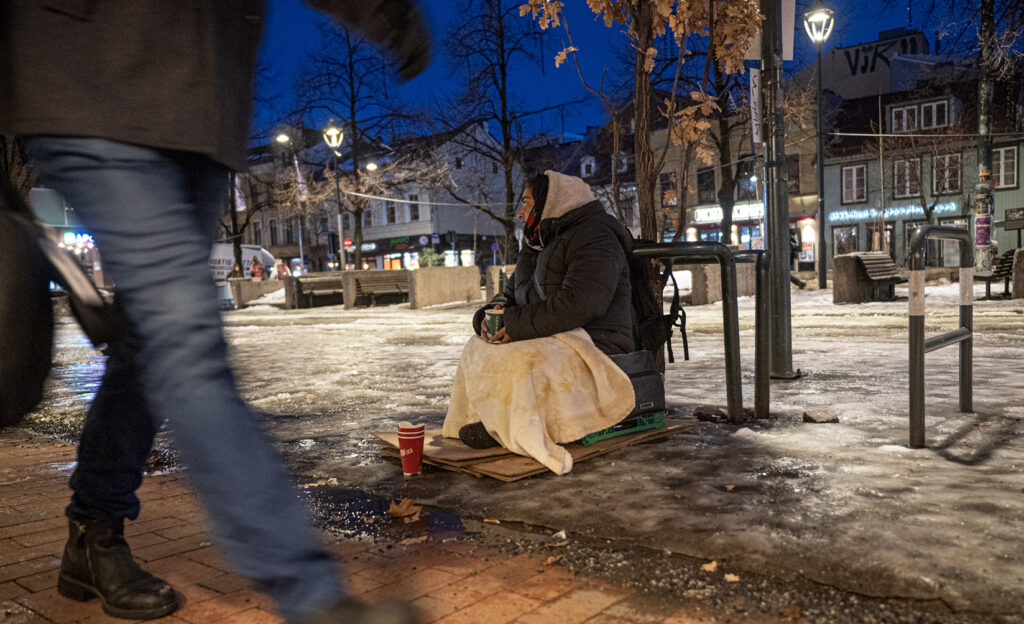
[{"x": 498, "y": 463}]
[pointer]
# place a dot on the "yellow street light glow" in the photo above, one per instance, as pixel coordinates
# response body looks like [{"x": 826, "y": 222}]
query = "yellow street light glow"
[
  {"x": 371, "y": 166},
  {"x": 333, "y": 135},
  {"x": 818, "y": 22},
  {"x": 282, "y": 138}
]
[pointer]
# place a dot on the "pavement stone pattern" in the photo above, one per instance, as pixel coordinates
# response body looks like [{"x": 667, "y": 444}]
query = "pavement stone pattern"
[{"x": 452, "y": 582}]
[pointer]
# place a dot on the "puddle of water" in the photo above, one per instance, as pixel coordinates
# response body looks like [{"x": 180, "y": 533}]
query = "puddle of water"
[{"x": 356, "y": 514}]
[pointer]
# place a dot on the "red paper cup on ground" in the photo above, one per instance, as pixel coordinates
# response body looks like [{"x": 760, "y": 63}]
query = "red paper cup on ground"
[{"x": 410, "y": 447}]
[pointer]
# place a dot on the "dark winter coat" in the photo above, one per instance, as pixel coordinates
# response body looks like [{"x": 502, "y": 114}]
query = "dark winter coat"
[
  {"x": 162, "y": 73},
  {"x": 581, "y": 271}
]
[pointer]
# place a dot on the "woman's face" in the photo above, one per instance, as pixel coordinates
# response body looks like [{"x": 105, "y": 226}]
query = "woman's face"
[{"x": 526, "y": 206}]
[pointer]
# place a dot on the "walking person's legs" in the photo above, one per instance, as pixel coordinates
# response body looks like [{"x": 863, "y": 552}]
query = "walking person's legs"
[{"x": 151, "y": 213}]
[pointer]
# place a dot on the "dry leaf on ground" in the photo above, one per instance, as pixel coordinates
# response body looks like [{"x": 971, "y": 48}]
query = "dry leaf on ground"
[
  {"x": 492, "y": 521},
  {"x": 559, "y": 544},
  {"x": 730, "y": 488},
  {"x": 404, "y": 508},
  {"x": 709, "y": 567},
  {"x": 414, "y": 540},
  {"x": 552, "y": 560},
  {"x": 732, "y": 578}
]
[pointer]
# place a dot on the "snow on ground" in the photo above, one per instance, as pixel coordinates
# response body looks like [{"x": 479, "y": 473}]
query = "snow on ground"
[{"x": 846, "y": 504}]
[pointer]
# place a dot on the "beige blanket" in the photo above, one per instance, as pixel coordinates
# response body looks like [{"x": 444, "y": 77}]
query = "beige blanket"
[{"x": 533, "y": 395}]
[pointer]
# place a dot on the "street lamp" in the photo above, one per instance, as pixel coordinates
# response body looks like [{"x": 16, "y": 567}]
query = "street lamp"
[
  {"x": 333, "y": 137},
  {"x": 285, "y": 139},
  {"x": 818, "y": 22}
]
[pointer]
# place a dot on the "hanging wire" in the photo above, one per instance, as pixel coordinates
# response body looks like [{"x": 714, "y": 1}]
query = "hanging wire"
[{"x": 400, "y": 200}]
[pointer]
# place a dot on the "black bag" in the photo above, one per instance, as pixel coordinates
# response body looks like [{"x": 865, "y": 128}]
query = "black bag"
[
  {"x": 30, "y": 259},
  {"x": 652, "y": 328},
  {"x": 648, "y": 386}
]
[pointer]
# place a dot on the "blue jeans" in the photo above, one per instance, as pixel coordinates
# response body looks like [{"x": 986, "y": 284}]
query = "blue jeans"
[{"x": 153, "y": 214}]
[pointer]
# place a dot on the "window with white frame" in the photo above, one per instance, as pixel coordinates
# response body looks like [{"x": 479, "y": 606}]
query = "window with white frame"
[
  {"x": 934, "y": 115},
  {"x": 904, "y": 118},
  {"x": 946, "y": 173},
  {"x": 1004, "y": 167},
  {"x": 906, "y": 178},
  {"x": 855, "y": 188},
  {"x": 587, "y": 167},
  {"x": 414, "y": 208}
]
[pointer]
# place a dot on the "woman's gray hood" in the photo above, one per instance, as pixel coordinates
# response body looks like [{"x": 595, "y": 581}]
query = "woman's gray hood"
[{"x": 565, "y": 193}]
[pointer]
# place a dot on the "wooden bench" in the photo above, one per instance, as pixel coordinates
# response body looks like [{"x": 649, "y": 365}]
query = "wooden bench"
[
  {"x": 392, "y": 286},
  {"x": 316, "y": 289},
  {"x": 883, "y": 274},
  {"x": 1002, "y": 269}
]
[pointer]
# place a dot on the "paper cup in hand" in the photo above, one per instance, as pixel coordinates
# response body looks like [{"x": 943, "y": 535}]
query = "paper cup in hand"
[
  {"x": 495, "y": 321},
  {"x": 410, "y": 447}
]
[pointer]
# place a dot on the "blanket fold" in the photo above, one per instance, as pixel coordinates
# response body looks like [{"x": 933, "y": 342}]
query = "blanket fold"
[{"x": 533, "y": 395}]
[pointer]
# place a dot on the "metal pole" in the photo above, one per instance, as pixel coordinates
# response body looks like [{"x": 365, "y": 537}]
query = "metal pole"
[
  {"x": 917, "y": 351},
  {"x": 967, "y": 346},
  {"x": 762, "y": 339},
  {"x": 730, "y": 319},
  {"x": 776, "y": 192},
  {"x": 822, "y": 256},
  {"x": 341, "y": 220}
]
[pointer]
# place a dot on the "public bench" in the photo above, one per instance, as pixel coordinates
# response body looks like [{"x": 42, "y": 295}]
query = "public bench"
[
  {"x": 860, "y": 277},
  {"x": 373, "y": 287},
  {"x": 1002, "y": 269},
  {"x": 314, "y": 289}
]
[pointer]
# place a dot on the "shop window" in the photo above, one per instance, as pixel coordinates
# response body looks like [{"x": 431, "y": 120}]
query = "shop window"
[
  {"x": 706, "y": 186},
  {"x": 1004, "y": 167},
  {"x": 933, "y": 115},
  {"x": 946, "y": 174},
  {"x": 273, "y": 232},
  {"x": 746, "y": 183},
  {"x": 390, "y": 214},
  {"x": 793, "y": 173},
  {"x": 904, "y": 118},
  {"x": 257, "y": 235},
  {"x": 414, "y": 208},
  {"x": 906, "y": 178},
  {"x": 844, "y": 239},
  {"x": 855, "y": 184}
]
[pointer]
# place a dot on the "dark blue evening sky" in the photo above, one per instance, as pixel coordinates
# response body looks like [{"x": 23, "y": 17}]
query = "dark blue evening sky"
[{"x": 291, "y": 34}]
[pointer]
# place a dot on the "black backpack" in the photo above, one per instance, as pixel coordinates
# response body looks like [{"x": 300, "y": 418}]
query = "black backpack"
[
  {"x": 652, "y": 328},
  {"x": 30, "y": 259}
]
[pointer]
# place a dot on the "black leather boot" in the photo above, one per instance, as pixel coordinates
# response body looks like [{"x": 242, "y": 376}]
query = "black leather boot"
[
  {"x": 98, "y": 563},
  {"x": 353, "y": 611}
]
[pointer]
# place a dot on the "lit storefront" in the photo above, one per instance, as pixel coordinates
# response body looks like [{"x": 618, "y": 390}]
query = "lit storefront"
[
  {"x": 706, "y": 223},
  {"x": 890, "y": 230},
  {"x": 403, "y": 252}
]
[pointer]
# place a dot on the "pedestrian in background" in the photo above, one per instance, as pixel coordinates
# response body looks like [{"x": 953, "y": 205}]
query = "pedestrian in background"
[
  {"x": 135, "y": 111},
  {"x": 282, "y": 269},
  {"x": 256, "y": 270}
]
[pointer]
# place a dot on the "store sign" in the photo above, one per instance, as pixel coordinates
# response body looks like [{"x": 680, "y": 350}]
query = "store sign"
[
  {"x": 1014, "y": 219},
  {"x": 399, "y": 239},
  {"x": 369, "y": 247},
  {"x": 741, "y": 211},
  {"x": 893, "y": 212},
  {"x": 72, "y": 239}
]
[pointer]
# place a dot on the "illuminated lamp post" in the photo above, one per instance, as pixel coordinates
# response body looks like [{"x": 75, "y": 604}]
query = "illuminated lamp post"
[
  {"x": 818, "y": 22},
  {"x": 333, "y": 137}
]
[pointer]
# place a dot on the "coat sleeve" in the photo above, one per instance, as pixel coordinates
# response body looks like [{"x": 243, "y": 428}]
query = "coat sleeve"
[
  {"x": 594, "y": 262},
  {"x": 505, "y": 298}
]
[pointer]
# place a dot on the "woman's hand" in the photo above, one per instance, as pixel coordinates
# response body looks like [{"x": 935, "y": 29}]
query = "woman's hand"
[{"x": 499, "y": 338}]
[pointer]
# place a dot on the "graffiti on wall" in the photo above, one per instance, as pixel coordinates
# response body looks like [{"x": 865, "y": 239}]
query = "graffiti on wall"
[{"x": 864, "y": 59}]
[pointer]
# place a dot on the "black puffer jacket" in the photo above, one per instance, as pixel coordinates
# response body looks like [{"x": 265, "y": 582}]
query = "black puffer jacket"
[{"x": 581, "y": 270}]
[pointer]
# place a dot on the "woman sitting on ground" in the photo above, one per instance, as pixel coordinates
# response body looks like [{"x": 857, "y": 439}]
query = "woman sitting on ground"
[{"x": 565, "y": 308}]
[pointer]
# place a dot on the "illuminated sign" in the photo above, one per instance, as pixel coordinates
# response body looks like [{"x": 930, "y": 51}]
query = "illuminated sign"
[
  {"x": 369, "y": 246},
  {"x": 72, "y": 239},
  {"x": 893, "y": 212},
  {"x": 741, "y": 211}
]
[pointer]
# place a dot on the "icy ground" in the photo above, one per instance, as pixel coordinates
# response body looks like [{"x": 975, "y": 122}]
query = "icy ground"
[{"x": 845, "y": 504}]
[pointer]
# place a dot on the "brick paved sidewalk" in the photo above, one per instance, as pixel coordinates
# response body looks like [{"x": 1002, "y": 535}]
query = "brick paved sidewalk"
[{"x": 454, "y": 583}]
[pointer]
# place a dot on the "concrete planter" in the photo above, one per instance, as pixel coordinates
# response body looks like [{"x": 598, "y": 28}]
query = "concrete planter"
[{"x": 436, "y": 285}]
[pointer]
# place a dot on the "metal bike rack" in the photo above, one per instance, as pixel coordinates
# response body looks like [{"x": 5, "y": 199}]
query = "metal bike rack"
[
  {"x": 705, "y": 253},
  {"x": 964, "y": 335}
]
